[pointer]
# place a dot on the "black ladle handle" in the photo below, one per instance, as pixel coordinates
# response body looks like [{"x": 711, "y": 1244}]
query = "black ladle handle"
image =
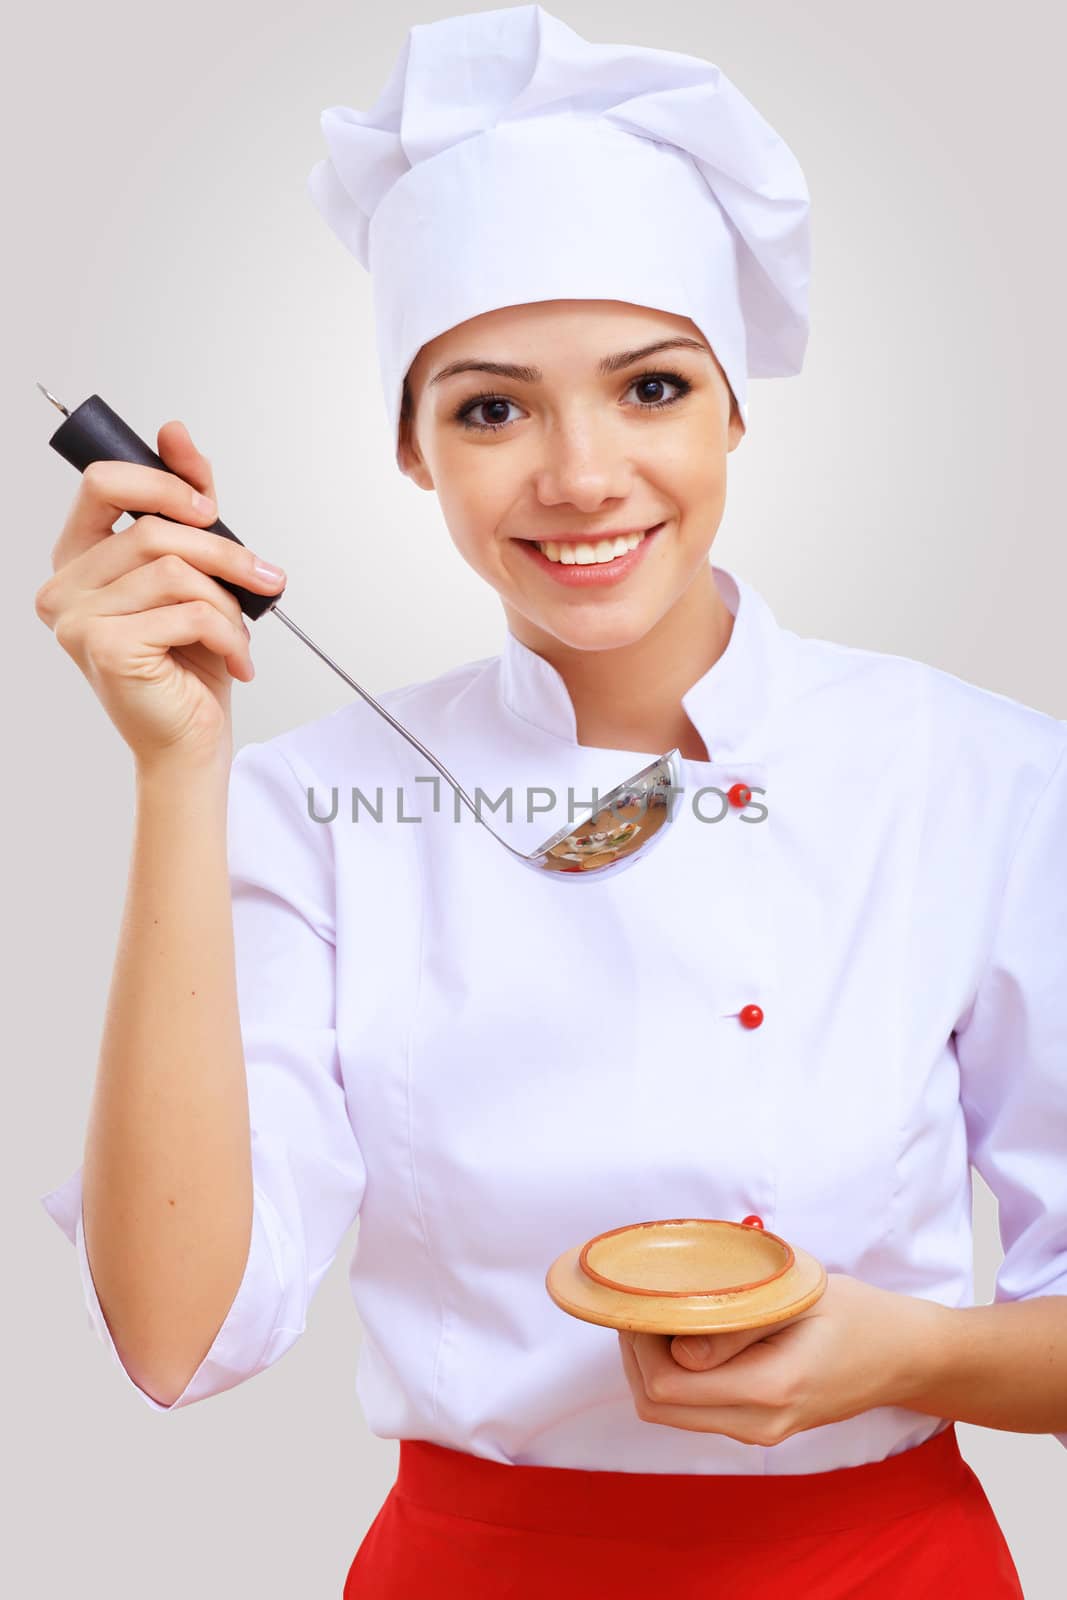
[{"x": 93, "y": 432}]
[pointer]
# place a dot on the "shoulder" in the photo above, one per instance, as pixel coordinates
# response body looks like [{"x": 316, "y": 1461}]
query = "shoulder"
[{"x": 896, "y": 702}]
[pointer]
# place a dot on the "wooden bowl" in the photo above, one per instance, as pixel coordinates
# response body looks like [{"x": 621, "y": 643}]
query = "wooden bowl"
[{"x": 685, "y": 1275}]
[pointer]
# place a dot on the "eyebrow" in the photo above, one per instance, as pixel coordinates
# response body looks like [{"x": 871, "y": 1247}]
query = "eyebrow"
[{"x": 520, "y": 374}]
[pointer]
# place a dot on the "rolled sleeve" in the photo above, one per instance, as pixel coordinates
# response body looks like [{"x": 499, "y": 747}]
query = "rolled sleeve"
[
  {"x": 1012, "y": 1053},
  {"x": 241, "y": 1344},
  {"x": 308, "y": 1172}
]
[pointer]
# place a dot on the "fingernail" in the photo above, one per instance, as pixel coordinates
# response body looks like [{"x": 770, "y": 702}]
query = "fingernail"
[
  {"x": 245, "y": 626},
  {"x": 265, "y": 570},
  {"x": 697, "y": 1348},
  {"x": 203, "y": 503}
]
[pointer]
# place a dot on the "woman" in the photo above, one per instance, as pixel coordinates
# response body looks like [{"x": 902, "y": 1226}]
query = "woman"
[{"x": 809, "y": 1010}]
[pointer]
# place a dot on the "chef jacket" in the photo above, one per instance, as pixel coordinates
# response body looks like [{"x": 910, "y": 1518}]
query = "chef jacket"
[{"x": 489, "y": 1065}]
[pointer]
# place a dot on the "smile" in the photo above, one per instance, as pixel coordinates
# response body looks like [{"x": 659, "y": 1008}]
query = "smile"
[
  {"x": 584, "y": 563},
  {"x": 586, "y": 552}
]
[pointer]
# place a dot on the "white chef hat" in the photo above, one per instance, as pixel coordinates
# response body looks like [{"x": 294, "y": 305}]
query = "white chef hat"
[{"x": 509, "y": 160}]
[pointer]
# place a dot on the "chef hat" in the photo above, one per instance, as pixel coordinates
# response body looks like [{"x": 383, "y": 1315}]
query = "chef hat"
[{"x": 509, "y": 160}]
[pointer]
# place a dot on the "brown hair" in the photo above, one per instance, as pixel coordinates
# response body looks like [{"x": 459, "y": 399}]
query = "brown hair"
[{"x": 405, "y": 410}]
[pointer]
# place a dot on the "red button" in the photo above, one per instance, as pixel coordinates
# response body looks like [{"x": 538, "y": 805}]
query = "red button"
[
  {"x": 751, "y": 1016},
  {"x": 739, "y": 795},
  {"x": 752, "y": 1222}
]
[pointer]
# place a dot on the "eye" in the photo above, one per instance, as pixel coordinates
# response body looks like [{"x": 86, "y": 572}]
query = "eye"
[
  {"x": 465, "y": 414},
  {"x": 676, "y": 381}
]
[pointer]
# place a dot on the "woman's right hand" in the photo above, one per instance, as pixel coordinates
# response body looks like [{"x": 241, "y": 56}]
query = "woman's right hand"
[{"x": 158, "y": 639}]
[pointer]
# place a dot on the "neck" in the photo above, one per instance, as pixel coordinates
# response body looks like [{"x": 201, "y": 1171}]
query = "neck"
[{"x": 657, "y": 669}]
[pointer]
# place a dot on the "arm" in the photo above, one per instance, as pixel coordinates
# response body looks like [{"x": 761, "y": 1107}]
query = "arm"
[
  {"x": 167, "y": 1172},
  {"x": 307, "y": 1170},
  {"x": 1005, "y": 1364},
  {"x": 998, "y": 1366}
]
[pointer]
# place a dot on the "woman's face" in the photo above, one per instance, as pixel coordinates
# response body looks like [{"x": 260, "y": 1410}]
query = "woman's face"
[{"x": 566, "y": 452}]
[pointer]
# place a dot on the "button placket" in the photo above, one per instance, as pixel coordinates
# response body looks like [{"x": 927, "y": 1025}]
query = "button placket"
[{"x": 748, "y": 993}]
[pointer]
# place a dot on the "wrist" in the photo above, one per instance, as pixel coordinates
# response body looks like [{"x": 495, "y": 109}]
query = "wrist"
[
  {"x": 178, "y": 768},
  {"x": 922, "y": 1342},
  {"x": 176, "y": 782}
]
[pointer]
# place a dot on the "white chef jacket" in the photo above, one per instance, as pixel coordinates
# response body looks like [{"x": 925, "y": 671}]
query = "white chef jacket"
[{"x": 489, "y": 1065}]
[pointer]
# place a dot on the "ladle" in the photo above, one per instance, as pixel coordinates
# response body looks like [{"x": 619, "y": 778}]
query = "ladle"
[{"x": 610, "y": 837}]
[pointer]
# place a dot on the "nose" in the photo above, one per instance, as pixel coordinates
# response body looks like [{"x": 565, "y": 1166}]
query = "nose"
[{"x": 583, "y": 463}]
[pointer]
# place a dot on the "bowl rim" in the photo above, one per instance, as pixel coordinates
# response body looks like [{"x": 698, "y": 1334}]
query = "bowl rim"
[{"x": 789, "y": 1258}]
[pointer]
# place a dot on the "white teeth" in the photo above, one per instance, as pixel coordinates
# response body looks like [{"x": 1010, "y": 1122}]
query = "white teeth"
[{"x": 586, "y": 554}]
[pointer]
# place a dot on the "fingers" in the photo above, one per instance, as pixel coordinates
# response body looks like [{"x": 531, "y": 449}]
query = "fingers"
[
  {"x": 169, "y": 582},
  {"x": 131, "y": 645},
  {"x": 175, "y": 445},
  {"x": 661, "y": 1371},
  {"x": 634, "y": 1375},
  {"x": 149, "y": 540},
  {"x": 720, "y": 1347},
  {"x": 108, "y": 489},
  {"x": 749, "y": 1401}
]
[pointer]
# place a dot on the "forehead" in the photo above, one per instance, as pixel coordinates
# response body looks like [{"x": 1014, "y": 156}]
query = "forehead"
[{"x": 539, "y": 330}]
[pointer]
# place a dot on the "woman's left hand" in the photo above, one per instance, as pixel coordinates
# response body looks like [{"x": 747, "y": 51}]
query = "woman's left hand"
[{"x": 856, "y": 1348}]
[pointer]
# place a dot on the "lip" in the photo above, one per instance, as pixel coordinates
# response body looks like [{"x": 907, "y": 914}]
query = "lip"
[
  {"x": 582, "y": 575},
  {"x": 591, "y": 538}
]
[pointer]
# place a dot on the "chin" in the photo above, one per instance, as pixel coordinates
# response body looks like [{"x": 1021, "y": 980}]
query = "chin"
[{"x": 603, "y": 632}]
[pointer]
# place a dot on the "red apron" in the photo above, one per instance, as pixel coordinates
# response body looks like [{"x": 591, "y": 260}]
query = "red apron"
[{"x": 460, "y": 1527}]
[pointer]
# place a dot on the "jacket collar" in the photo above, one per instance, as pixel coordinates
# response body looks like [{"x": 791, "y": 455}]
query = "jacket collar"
[{"x": 727, "y": 705}]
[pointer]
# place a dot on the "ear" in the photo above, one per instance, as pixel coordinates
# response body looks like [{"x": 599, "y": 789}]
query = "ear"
[
  {"x": 736, "y": 430},
  {"x": 410, "y": 462}
]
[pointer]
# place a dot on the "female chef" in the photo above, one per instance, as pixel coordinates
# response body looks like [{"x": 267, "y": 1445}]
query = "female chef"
[{"x": 840, "y": 979}]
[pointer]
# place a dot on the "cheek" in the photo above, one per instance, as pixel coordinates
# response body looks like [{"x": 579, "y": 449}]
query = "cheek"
[
  {"x": 698, "y": 491},
  {"x": 689, "y": 466},
  {"x": 477, "y": 503},
  {"x": 473, "y": 530},
  {"x": 475, "y": 486}
]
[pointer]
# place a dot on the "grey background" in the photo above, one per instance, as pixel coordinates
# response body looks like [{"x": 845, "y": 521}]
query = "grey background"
[{"x": 903, "y": 494}]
